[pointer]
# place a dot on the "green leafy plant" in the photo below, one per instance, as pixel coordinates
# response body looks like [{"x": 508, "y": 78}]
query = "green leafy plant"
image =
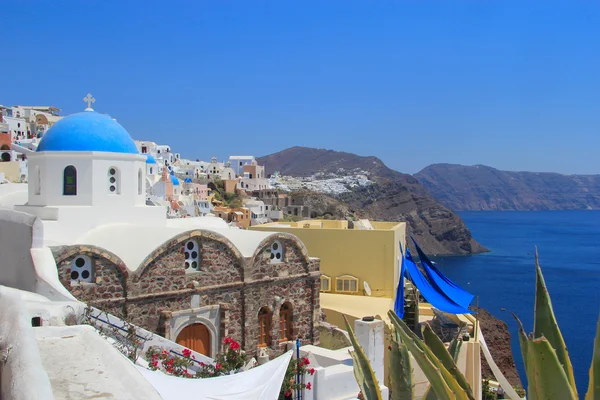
[
  {"x": 296, "y": 367},
  {"x": 230, "y": 361},
  {"x": 363, "y": 372},
  {"x": 547, "y": 364},
  {"x": 169, "y": 363},
  {"x": 545, "y": 356}
]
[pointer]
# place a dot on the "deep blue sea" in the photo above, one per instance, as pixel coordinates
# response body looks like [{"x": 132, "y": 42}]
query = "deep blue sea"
[{"x": 568, "y": 243}]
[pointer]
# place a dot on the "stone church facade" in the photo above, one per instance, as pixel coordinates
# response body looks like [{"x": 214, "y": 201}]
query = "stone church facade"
[{"x": 198, "y": 288}]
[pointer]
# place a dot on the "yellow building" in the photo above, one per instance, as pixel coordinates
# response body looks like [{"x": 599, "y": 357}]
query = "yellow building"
[{"x": 353, "y": 259}]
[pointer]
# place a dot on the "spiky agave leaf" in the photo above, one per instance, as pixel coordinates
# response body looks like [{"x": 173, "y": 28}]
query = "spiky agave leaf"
[
  {"x": 523, "y": 340},
  {"x": 443, "y": 382},
  {"x": 545, "y": 375},
  {"x": 593, "y": 392},
  {"x": 439, "y": 350},
  {"x": 365, "y": 377},
  {"x": 400, "y": 375},
  {"x": 454, "y": 348},
  {"x": 545, "y": 324}
]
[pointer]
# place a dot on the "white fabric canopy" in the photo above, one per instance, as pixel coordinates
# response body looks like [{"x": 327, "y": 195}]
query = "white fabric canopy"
[
  {"x": 259, "y": 383},
  {"x": 508, "y": 389}
]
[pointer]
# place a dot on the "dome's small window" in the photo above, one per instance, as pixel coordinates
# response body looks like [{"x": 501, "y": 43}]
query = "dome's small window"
[
  {"x": 82, "y": 270},
  {"x": 191, "y": 252},
  {"x": 70, "y": 181},
  {"x": 276, "y": 251},
  {"x": 114, "y": 181}
]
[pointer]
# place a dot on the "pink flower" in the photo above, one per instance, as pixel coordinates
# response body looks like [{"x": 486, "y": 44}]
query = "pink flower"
[
  {"x": 306, "y": 361},
  {"x": 187, "y": 353},
  {"x": 311, "y": 371},
  {"x": 308, "y": 386},
  {"x": 218, "y": 366},
  {"x": 202, "y": 364},
  {"x": 164, "y": 352},
  {"x": 234, "y": 345}
]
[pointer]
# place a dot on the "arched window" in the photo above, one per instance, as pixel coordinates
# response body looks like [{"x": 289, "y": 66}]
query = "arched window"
[
  {"x": 264, "y": 324},
  {"x": 70, "y": 181},
  {"x": 140, "y": 181},
  {"x": 114, "y": 181},
  {"x": 38, "y": 180},
  {"x": 346, "y": 284},
  {"x": 325, "y": 283},
  {"x": 285, "y": 322}
]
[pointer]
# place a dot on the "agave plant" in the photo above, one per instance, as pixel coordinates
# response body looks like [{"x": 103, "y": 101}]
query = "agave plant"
[
  {"x": 545, "y": 356},
  {"x": 547, "y": 364}
]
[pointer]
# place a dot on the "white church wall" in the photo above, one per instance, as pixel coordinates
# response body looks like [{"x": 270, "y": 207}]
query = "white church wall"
[
  {"x": 23, "y": 376},
  {"x": 19, "y": 232},
  {"x": 128, "y": 190},
  {"x": 48, "y": 284},
  {"x": 51, "y": 176}
]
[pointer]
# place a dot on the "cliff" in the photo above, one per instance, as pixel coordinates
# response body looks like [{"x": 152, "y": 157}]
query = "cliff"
[
  {"x": 393, "y": 196},
  {"x": 497, "y": 337},
  {"x": 480, "y": 187}
]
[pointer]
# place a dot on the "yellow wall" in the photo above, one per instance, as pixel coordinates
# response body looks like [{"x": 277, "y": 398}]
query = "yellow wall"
[
  {"x": 370, "y": 255},
  {"x": 11, "y": 170}
]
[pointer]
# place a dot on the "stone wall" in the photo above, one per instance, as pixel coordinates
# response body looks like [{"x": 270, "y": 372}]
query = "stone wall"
[
  {"x": 109, "y": 289},
  {"x": 239, "y": 286}
]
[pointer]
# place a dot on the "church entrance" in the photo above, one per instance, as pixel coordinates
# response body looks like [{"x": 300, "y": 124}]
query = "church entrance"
[{"x": 195, "y": 337}]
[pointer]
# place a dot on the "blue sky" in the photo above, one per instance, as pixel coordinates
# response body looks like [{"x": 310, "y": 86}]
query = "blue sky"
[{"x": 511, "y": 84}]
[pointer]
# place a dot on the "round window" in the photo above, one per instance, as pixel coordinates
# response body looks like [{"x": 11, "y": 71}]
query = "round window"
[
  {"x": 81, "y": 269},
  {"x": 112, "y": 171},
  {"x": 112, "y": 188}
]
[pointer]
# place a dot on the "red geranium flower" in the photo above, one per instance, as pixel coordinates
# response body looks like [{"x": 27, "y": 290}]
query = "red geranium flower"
[
  {"x": 187, "y": 352},
  {"x": 308, "y": 386},
  {"x": 312, "y": 371}
]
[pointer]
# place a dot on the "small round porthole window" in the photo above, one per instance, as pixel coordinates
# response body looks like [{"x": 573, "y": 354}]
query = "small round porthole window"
[
  {"x": 191, "y": 252},
  {"x": 276, "y": 252},
  {"x": 81, "y": 269},
  {"x": 113, "y": 180}
]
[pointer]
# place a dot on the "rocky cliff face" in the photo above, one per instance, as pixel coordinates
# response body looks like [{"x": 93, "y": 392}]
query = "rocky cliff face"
[
  {"x": 497, "y": 338},
  {"x": 480, "y": 187},
  {"x": 393, "y": 197}
]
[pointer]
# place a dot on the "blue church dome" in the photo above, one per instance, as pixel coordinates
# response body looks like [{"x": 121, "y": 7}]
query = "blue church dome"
[
  {"x": 150, "y": 159},
  {"x": 174, "y": 180},
  {"x": 88, "y": 131}
]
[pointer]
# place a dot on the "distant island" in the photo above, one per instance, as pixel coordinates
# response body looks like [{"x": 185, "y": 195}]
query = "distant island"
[{"x": 483, "y": 188}]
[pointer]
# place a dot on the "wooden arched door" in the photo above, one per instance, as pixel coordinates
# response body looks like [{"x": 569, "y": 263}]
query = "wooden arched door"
[{"x": 195, "y": 337}]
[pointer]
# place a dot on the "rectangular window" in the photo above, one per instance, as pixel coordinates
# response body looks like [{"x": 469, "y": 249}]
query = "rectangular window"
[
  {"x": 346, "y": 284},
  {"x": 325, "y": 284}
]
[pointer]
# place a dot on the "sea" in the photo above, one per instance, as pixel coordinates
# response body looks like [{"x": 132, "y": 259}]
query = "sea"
[{"x": 568, "y": 243}]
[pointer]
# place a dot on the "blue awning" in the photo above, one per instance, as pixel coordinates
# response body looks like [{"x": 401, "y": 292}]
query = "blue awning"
[
  {"x": 442, "y": 283},
  {"x": 434, "y": 297}
]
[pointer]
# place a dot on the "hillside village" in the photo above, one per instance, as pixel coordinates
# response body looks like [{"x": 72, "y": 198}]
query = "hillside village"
[{"x": 156, "y": 267}]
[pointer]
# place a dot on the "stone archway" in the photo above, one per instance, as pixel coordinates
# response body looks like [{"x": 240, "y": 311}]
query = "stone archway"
[{"x": 196, "y": 337}]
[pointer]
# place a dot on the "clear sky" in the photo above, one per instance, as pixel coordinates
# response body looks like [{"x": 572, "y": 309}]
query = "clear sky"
[{"x": 510, "y": 84}]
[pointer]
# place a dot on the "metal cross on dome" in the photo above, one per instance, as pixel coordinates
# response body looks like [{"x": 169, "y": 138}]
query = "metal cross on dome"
[{"x": 89, "y": 99}]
